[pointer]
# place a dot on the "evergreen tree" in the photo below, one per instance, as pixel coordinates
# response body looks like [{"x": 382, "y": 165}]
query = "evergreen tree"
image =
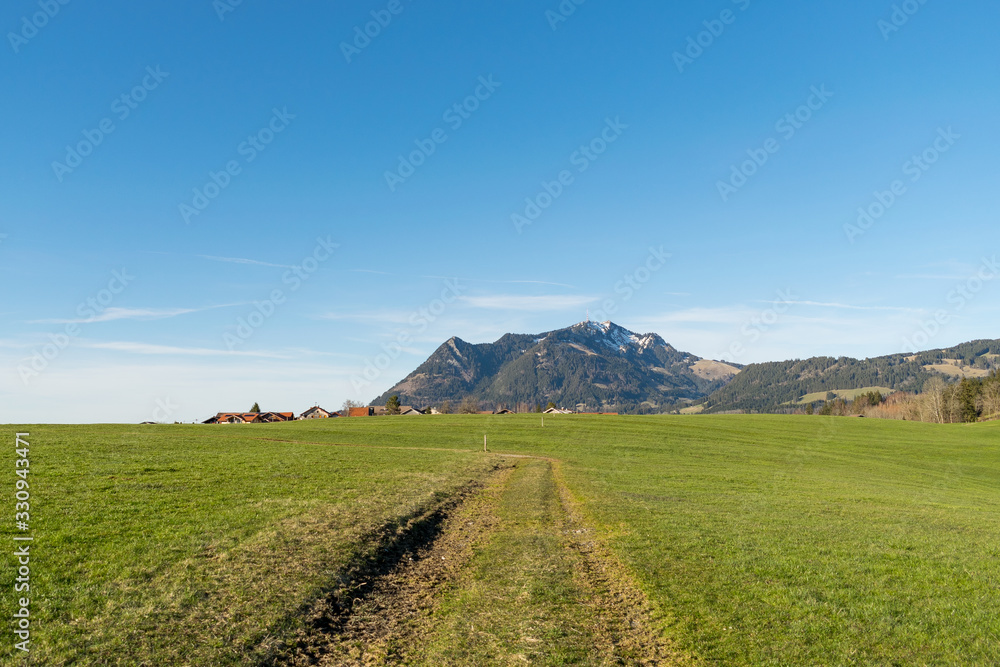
[
  {"x": 968, "y": 394},
  {"x": 255, "y": 408},
  {"x": 392, "y": 405}
]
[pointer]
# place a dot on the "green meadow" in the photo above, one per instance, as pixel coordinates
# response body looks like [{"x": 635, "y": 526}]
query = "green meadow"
[{"x": 756, "y": 540}]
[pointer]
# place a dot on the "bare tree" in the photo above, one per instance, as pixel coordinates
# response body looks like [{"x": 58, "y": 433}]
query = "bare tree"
[
  {"x": 934, "y": 398},
  {"x": 345, "y": 409},
  {"x": 991, "y": 399}
]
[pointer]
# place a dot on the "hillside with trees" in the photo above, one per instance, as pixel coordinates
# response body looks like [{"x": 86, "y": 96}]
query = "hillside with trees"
[{"x": 779, "y": 386}]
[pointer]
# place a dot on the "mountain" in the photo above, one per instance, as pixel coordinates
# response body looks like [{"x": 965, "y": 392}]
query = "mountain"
[
  {"x": 589, "y": 366},
  {"x": 776, "y": 386}
]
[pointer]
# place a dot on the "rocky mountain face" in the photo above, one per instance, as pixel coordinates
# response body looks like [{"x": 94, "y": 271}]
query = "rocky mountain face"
[{"x": 590, "y": 366}]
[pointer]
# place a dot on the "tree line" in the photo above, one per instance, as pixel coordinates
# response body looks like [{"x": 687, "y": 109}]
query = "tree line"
[{"x": 968, "y": 400}]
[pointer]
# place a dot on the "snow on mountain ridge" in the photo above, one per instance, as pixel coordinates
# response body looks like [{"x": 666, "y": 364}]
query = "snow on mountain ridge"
[{"x": 618, "y": 337}]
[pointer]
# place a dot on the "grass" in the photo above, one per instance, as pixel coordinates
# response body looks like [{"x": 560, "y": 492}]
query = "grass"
[
  {"x": 168, "y": 545},
  {"x": 519, "y": 603},
  {"x": 847, "y": 394},
  {"x": 760, "y": 540},
  {"x": 958, "y": 371}
]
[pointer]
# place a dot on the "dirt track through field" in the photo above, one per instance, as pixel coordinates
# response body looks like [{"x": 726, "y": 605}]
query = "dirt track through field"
[{"x": 508, "y": 572}]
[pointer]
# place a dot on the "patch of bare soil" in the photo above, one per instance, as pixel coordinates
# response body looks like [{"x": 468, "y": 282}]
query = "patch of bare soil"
[{"x": 385, "y": 600}]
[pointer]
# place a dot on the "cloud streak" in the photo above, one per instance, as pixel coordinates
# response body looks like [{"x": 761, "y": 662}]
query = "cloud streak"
[
  {"x": 143, "y": 314},
  {"x": 242, "y": 260},
  {"x": 160, "y": 350}
]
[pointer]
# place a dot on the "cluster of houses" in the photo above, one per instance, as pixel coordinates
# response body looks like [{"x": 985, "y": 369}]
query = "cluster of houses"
[
  {"x": 250, "y": 418},
  {"x": 317, "y": 412},
  {"x": 314, "y": 412}
]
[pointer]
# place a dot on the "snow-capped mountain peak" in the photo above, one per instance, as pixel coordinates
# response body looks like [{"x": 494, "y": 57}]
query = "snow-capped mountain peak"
[{"x": 618, "y": 337}]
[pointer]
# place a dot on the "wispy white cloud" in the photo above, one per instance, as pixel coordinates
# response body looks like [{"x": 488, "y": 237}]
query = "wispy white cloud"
[
  {"x": 152, "y": 349},
  {"x": 143, "y": 314},
  {"x": 527, "y": 303},
  {"x": 242, "y": 260}
]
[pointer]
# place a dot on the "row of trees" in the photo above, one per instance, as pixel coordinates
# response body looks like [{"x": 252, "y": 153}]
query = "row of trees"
[{"x": 969, "y": 400}]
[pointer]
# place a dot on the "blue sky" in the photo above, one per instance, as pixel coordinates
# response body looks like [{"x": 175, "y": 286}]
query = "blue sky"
[{"x": 168, "y": 171}]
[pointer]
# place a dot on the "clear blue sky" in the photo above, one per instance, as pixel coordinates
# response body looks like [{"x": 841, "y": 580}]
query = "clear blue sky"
[{"x": 662, "y": 122}]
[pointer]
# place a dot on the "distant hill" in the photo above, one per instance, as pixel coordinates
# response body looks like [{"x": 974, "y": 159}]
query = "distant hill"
[
  {"x": 774, "y": 386},
  {"x": 589, "y": 366}
]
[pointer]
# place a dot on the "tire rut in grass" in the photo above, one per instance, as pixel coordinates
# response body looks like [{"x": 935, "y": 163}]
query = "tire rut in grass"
[
  {"x": 541, "y": 591},
  {"x": 627, "y": 631},
  {"x": 385, "y": 597},
  {"x": 507, "y": 572}
]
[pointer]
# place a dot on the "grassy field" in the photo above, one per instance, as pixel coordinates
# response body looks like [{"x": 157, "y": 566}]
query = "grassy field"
[
  {"x": 171, "y": 545},
  {"x": 959, "y": 371},
  {"x": 757, "y": 540},
  {"x": 847, "y": 394}
]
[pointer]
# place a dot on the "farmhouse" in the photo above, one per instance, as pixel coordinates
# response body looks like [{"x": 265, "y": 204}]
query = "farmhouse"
[
  {"x": 558, "y": 411},
  {"x": 317, "y": 412}
]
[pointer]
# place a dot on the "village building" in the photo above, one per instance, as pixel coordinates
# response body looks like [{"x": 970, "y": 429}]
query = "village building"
[{"x": 317, "y": 412}]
